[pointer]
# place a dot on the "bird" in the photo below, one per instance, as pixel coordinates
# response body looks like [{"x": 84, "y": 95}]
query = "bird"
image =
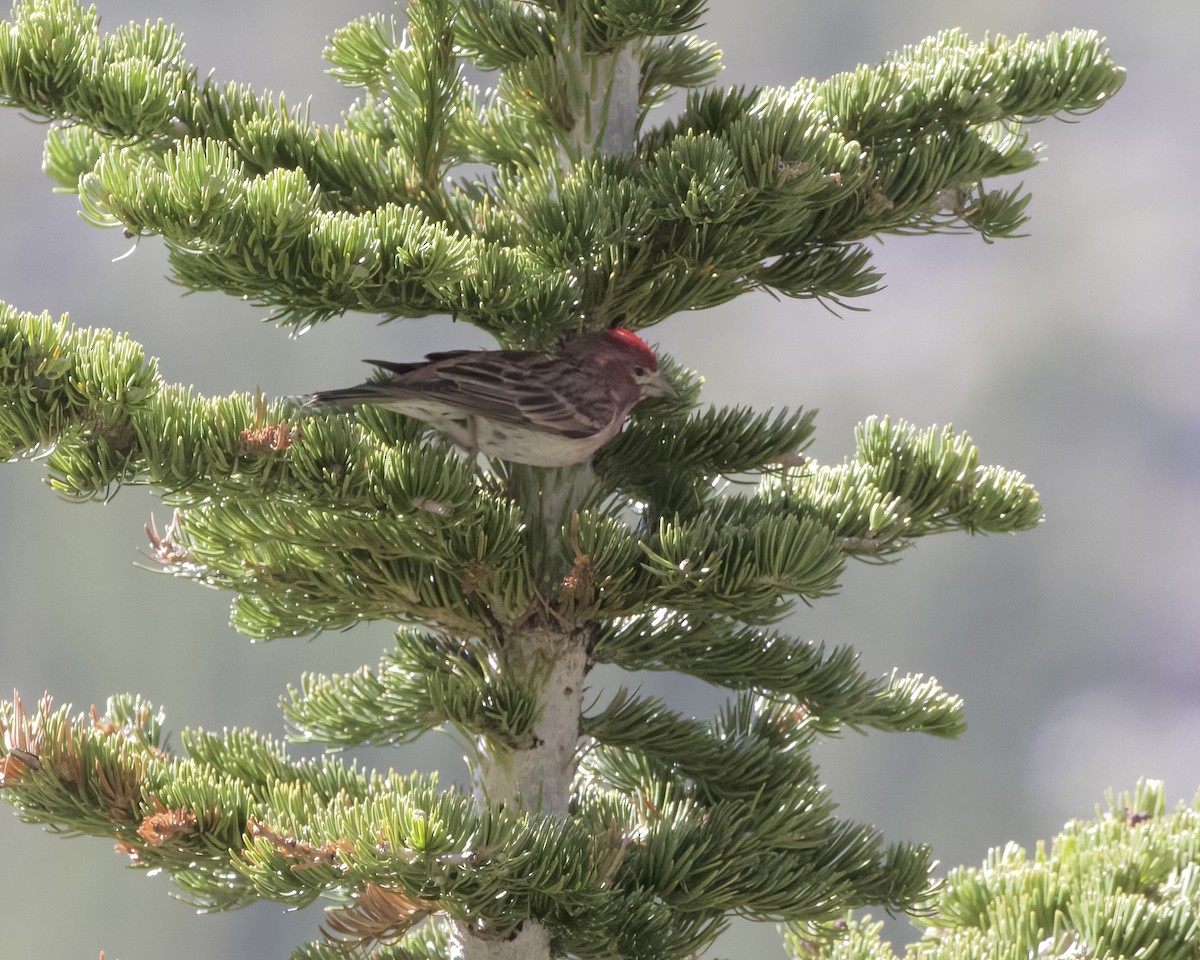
[{"x": 531, "y": 407}]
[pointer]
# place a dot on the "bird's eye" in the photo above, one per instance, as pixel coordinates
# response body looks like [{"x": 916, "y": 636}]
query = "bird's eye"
[{"x": 640, "y": 371}]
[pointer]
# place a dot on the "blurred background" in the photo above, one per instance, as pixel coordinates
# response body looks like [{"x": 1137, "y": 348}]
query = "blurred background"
[{"x": 1071, "y": 355}]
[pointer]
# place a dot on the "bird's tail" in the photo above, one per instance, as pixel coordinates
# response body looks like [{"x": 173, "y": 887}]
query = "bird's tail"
[{"x": 345, "y": 397}]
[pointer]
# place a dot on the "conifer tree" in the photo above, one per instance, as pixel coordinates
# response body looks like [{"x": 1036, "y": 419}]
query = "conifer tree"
[{"x": 549, "y": 205}]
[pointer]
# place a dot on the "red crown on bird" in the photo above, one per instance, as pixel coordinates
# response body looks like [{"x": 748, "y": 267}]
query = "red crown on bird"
[{"x": 631, "y": 339}]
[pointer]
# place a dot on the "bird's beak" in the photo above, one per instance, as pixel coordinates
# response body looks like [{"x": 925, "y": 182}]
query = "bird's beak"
[{"x": 653, "y": 385}]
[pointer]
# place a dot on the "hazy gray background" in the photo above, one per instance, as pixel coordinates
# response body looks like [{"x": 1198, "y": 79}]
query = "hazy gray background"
[{"x": 1071, "y": 355}]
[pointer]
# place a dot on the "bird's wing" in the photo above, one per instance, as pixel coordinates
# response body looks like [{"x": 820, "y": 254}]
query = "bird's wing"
[
  {"x": 543, "y": 393},
  {"x": 570, "y": 408}
]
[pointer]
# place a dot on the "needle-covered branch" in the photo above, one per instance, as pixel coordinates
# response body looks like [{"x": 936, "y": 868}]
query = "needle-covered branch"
[
  {"x": 643, "y": 863},
  {"x": 377, "y": 525},
  {"x": 746, "y": 189},
  {"x": 1121, "y": 885}
]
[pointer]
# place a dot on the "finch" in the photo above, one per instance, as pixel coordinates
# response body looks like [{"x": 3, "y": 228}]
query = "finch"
[{"x": 540, "y": 409}]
